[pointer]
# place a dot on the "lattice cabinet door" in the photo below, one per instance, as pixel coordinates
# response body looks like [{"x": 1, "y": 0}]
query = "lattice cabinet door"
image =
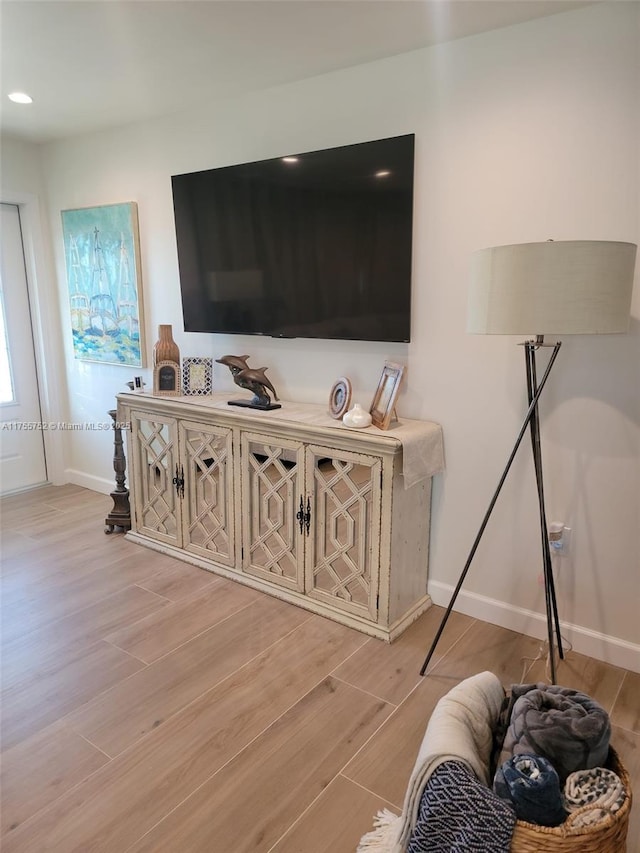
[
  {"x": 273, "y": 509},
  {"x": 157, "y": 473},
  {"x": 343, "y": 548},
  {"x": 208, "y": 502}
]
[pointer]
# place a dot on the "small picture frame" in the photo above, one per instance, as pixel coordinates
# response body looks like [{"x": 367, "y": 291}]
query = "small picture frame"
[
  {"x": 340, "y": 397},
  {"x": 166, "y": 379},
  {"x": 382, "y": 408},
  {"x": 197, "y": 376}
]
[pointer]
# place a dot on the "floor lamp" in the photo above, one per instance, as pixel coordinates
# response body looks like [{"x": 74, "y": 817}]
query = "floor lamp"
[{"x": 577, "y": 287}]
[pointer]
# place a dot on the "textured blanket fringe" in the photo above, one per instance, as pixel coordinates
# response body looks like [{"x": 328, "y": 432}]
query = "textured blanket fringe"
[{"x": 382, "y": 837}]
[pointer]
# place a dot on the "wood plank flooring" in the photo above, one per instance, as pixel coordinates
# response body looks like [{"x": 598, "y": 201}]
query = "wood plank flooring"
[{"x": 151, "y": 707}]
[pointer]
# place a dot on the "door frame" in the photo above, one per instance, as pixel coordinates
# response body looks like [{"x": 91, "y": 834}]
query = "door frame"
[{"x": 41, "y": 288}]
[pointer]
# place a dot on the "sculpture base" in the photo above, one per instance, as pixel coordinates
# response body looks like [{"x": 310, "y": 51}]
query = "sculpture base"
[{"x": 250, "y": 404}]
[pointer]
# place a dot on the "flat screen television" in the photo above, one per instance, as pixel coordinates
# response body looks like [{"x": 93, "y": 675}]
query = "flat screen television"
[{"x": 314, "y": 245}]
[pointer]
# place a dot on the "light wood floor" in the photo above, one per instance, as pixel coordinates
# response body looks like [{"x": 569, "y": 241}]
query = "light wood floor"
[{"x": 151, "y": 707}]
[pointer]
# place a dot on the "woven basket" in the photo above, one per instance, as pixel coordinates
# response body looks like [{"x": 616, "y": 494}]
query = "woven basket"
[{"x": 608, "y": 836}]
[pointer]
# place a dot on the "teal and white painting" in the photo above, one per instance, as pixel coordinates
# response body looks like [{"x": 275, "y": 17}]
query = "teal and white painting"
[{"x": 103, "y": 277}]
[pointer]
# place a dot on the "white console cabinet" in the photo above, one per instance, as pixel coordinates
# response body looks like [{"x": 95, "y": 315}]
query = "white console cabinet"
[{"x": 289, "y": 501}]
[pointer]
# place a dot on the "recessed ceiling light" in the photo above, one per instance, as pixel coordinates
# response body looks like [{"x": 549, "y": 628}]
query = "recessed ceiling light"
[
  {"x": 290, "y": 159},
  {"x": 20, "y": 98},
  {"x": 383, "y": 173}
]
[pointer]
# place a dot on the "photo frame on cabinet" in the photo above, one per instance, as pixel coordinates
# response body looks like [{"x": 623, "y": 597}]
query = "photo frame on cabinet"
[
  {"x": 383, "y": 406},
  {"x": 197, "y": 376},
  {"x": 166, "y": 379},
  {"x": 340, "y": 397}
]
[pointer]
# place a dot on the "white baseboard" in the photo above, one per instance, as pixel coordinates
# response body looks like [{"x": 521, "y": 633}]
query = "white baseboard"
[
  {"x": 603, "y": 647},
  {"x": 88, "y": 481}
]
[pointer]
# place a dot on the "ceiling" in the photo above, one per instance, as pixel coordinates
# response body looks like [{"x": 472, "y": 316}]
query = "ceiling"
[{"x": 94, "y": 64}]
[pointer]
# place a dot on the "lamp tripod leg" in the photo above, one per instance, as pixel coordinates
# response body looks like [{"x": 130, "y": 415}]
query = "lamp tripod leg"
[
  {"x": 533, "y": 403},
  {"x": 549, "y": 585}
]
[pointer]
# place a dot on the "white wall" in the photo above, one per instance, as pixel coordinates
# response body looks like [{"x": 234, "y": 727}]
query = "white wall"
[{"x": 522, "y": 134}]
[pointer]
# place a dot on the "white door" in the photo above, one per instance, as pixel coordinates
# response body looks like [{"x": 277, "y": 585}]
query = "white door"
[{"x": 22, "y": 459}]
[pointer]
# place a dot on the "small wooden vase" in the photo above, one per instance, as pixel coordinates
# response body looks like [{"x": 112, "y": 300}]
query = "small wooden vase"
[{"x": 165, "y": 348}]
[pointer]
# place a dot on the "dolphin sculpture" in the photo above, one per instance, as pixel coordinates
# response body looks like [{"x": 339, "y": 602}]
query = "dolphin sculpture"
[
  {"x": 251, "y": 378},
  {"x": 235, "y": 363},
  {"x": 255, "y": 380}
]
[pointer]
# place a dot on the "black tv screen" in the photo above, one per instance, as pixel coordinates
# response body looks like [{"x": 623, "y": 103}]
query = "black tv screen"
[{"x": 314, "y": 245}]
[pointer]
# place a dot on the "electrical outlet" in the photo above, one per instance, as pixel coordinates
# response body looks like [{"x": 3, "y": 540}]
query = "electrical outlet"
[{"x": 559, "y": 538}]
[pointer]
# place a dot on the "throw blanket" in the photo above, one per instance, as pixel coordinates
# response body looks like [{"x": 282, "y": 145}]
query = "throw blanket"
[
  {"x": 566, "y": 727},
  {"x": 533, "y": 786},
  {"x": 460, "y": 728},
  {"x": 593, "y": 795},
  {"x": 459, "y": 814}
]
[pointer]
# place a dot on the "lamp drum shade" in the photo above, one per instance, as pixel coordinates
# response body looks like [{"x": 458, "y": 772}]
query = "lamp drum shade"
[{"x": 573, "y": 287}]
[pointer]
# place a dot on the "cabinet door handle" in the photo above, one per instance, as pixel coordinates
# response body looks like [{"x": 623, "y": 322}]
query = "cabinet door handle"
[
  {"x": 304, "y": 515},
  {"x": 307, "y": 517},
  {"x": 300, "y": 515},
  {"x": 178, "y": 481}
]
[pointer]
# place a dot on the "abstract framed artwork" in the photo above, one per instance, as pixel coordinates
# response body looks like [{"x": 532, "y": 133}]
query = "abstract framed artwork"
[{"x": 102, "y": 253}]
